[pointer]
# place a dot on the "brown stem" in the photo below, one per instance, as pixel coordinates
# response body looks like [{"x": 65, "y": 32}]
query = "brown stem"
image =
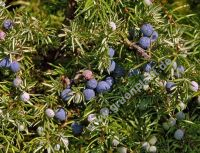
[{"x": 140, "y": 51}]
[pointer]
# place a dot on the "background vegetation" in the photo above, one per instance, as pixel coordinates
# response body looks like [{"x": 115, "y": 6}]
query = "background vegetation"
[{"x": 54, "y": 39}]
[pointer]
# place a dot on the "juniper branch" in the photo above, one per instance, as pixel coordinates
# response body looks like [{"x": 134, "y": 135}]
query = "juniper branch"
[{"x": 140, "y": 51}]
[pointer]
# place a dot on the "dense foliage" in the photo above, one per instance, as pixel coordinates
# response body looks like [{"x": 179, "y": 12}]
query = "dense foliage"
[{"x": 68, "y": 69}]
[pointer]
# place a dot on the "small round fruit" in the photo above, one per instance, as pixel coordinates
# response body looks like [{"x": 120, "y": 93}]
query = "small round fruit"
[
  {"x": 21, "y": 127},
  {"x": 112, "y": 66},
  {"x": 5, "y": 63},
  {"x": 87, "y": 74},
  {"x": 65, "y": 141},
  {"x": 194, "y": 86},
  {"x": 153, "y": 140},
  {"x": 109, "y": 80},
  {"x": 49, "y": 113},
  {"x": 2, "y": 35},
  {"x": 61, "y": 115},
  {"x": 91, "y": 84},
  {"x": 2, "y": 4},
  {"x": 152, "y": 149},
  {"x": 133, "y": 72},
  {"x": 57, "y": 147},
  {"x": 66, "y": 94},
  {"x": 178, "y": 135},
  {"x": 148, "y": 2},
  {"x": 7, "y": 24},
  {"x": 147, "y": 30},
  {"x": 104, "y": 111},
  {"x": 174, "y": 65},
  {"x": 180, "y": 116},
  {"x": 154, "y": 36},
  {"x": 17, "y": 82},
  {"x": 102, "y": 87},
  {"x": 88, "y": 94},
  {"x": 77, "y": 129},
  {"x": 122, "y": 150},
  {"x": 170, "y": 86},
  {"x": 171, "y": 122},
  {"x": 145, "y": 42},
  {"x": 180, "y": 69},
  {"x": 40, "y": 131},
  {"x": 111, "y": 52},
  {"x": 145, "y": 146},
  {"x": 166, "y": 126},
  {"x": 25, "y": 96},
  {"x": 147, "y": 67},
  {"x": 91, "y": 117},
  {"x": 182, "y": 105},
  {"x": 119, "y": 71},
  {"x": 113, "y": 26},
  {"x": 15, "y": 66}
]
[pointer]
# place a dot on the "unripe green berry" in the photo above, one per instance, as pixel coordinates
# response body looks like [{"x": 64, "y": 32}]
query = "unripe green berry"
[
  {"x": 153, "y": 149},
  {"x": 153, "y": 140},
  {"x": 21, "y": 127}
]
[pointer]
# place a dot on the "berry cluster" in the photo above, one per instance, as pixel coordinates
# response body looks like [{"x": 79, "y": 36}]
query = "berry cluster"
[
  {"x": 70, "y": 108},
  {"x": 92, "y": 87},
  {"x": 149, "y": 36},
  {"x": 14, "y": 66},
  {"x": 61, "y": 116},
  {"x": 7, "y": 25},
  {"x": 149, "y": 146},
  {"x": 114, "y": 69}
]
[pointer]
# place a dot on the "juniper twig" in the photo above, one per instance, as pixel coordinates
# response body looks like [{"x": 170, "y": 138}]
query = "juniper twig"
[{"x": 140, "y": 51}]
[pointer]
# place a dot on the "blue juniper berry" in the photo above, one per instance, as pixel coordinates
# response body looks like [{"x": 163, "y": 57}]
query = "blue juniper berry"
[
  {"x": 145, "y": 42},
  {"x": 170, "y": 86},
  {"x": 154, "y": 36},
  {"x": 7, "y": 24},
  {"x": 147, "y": 30},
  {"x": 91, "y": 84},
  {"x": 102, "y": 87},
  {"x": 109, "y": 80},
  {"x": 180, "y": 116},
  {"x": 66, "y": 94},
  {"x": 112, "y": 66},
  {"x": 77, "y": 129},
  {"x": 15, "y": 66},
  {"x": 111, "y": 52},
  {"x": 178, "y": 135},
  {"x": 88, "y": 94},
  {"x": 119, "y": 71},
  {"x": 60, "y": 114},
  {"x": 5, "y": 62}
]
